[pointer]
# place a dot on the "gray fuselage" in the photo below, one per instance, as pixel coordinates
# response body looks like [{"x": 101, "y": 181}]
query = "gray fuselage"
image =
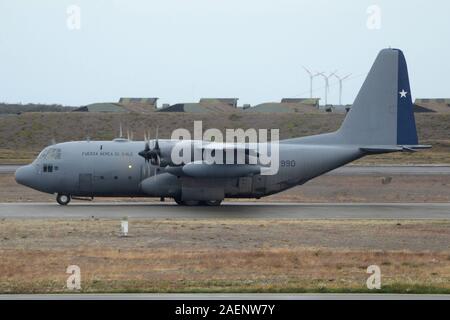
[{"x": 114, "y": 169}]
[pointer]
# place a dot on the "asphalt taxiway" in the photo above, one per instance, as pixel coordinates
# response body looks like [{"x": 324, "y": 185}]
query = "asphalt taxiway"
[{"x": 235, "y": 210}]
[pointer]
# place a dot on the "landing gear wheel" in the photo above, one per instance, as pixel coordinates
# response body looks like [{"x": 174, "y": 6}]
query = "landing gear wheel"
[
  {"x": 186, "y": 202},
  {"x": 179, "y": 201},
  {"x": 191, "y": 203},
  {"x": 211, "y": 203},
  {"x": 63, "y": 199}
]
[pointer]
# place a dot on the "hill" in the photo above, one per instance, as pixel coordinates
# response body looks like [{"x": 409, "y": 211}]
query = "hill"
[{"x": 16, "y": 108}]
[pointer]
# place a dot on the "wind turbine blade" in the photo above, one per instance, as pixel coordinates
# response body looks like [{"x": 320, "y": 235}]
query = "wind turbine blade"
[{"x": 309, "y": 72}]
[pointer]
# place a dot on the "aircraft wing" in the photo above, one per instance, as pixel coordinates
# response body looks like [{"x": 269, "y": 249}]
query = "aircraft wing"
[
  {"x": 248, "y": 149},
  {"x": 200, "y": 169}
]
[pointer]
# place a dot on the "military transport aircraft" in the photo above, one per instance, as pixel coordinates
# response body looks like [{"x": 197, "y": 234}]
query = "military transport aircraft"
[{"x": 380, "y": 121}]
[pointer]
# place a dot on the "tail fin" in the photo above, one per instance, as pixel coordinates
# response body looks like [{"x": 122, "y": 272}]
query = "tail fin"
[{"x": 382, "y": 113}]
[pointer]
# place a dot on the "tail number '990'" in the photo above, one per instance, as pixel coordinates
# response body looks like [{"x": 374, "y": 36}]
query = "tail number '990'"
[{"x": 287, "y": 163}]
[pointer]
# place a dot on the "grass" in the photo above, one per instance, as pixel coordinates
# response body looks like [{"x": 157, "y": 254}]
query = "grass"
[
  {"x": 225, "y": 256},
  {"x": 56, "y": 287}
]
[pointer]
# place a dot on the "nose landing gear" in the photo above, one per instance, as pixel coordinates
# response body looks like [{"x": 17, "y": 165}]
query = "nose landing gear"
[{"x": 63, "y": 199}]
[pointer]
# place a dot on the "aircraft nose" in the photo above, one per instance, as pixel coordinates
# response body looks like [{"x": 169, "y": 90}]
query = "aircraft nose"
[{"x": 24, "y": 174}]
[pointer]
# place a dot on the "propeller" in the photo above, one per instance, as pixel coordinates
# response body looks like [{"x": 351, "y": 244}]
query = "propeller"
[{"x": 152, "y": 155}]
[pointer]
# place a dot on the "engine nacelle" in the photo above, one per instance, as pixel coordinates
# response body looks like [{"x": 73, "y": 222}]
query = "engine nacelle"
[{"x": 162, "y": 185}]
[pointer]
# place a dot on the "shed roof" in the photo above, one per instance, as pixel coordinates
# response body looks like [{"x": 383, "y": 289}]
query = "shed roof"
[{"x": 105, "y": 107}]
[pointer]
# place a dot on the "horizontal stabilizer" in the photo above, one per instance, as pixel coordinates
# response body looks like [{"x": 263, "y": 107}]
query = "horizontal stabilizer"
[{"x": 388, "y": 149}]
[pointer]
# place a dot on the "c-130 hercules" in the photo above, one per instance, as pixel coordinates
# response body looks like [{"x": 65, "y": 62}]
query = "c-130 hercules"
[{"x": 380, "y": 121}]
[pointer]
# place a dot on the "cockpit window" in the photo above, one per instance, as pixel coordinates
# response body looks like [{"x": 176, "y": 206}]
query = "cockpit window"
[
  {"x": 50, "y": 154},
  {"x": 49, "y": 168}
]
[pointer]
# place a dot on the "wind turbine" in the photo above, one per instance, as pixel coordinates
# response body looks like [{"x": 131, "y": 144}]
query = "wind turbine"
[
  {"x": 340, "y": 85},
  {"x": 327, "y": 84},
  {"x": 311, "y": 78}
]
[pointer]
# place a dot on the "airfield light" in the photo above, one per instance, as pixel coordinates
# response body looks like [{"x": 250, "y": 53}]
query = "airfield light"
[{"x": 124, "y": 227}]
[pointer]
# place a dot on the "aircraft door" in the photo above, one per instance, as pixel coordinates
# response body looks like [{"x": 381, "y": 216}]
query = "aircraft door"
[
  {"x": 245, "y": 185},
  {"x": 259, "y": 184},
  {"x": 85, "y": 183}
]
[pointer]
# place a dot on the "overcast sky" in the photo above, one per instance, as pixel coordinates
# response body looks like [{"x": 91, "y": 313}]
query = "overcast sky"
[{"x": 181, "y": 50}]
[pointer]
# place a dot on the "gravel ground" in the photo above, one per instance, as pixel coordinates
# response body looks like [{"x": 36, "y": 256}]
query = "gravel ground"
[{"x": 224, "y": 256}]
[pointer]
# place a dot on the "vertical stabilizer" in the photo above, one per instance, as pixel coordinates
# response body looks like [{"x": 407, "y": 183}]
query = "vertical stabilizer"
[{"x": 382, "y": 113}]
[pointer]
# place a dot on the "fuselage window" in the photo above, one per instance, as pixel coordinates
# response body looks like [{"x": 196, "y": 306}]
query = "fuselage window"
[{"x": 49, "y": 168}]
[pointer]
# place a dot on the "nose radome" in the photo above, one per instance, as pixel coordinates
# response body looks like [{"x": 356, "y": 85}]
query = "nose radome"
[{"x": 24, "y": 174}]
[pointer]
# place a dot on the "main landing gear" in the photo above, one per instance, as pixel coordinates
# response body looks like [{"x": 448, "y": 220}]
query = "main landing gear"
[
  {"x": 63, "y": 199},
  {"x": 208, "y": 203}
]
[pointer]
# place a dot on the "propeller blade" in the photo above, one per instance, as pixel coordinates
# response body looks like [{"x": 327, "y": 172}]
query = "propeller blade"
[
  {"x": 152, "y": 155},
  {"x": 156, "y": 139}
]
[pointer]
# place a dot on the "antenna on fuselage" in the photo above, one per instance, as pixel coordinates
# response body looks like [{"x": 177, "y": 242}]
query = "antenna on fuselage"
[{"x": 120, "y": 130}]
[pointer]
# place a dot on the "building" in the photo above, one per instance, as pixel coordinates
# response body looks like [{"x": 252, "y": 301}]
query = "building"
[
  {"x": 144, "y": 101},
  {"x": 137, "y": 105},
  {"x": 287, "y": 105},
  {"x": 432, "y": 105},
  {"x": 306, "y": 101},
  {"x": 205, "y": 105},
  {"x": 228, "y": 101},
  {"x": 102, "y": 107}
]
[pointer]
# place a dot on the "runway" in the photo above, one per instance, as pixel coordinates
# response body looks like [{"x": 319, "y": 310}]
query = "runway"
[
  {"x": 349, "y": 170},
  {"x": 6, "y": 168},
  {"x": 225, "y": 297},
  {"x": 229, "y": 210},
  {"x": 353, "y": 170}
]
